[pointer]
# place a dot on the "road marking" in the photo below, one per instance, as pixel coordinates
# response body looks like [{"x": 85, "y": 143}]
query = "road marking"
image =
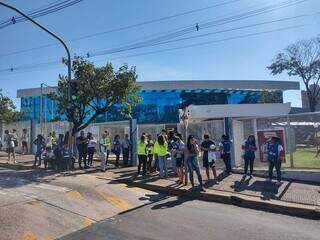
[
  {"x": 87, "y": 222},
  {"x": 74, "y": 195},
  {"x": 116, "y": 202},
  {"x": 29, "y": 236}
]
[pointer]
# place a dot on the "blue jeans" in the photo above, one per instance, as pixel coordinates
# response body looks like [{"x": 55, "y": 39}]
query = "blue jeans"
[
  {"x": 193, "y": 167},
  {"x": 163, "y": 166},
  {"x": 173, "y": 163}
]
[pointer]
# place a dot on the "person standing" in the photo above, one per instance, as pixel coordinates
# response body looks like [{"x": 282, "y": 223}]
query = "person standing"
[
  {"x": 193, "y": 161},
  {"x": 126, "y": 146},
  {"x": 179, "y": 150},
  {"x": 9, "y": 145},
  {"x": 249, "y": 147},
  {"x": 24, "y": 141},
  {"x": 92, "y": 143},
  {"x": 275, "y": 153},
  {"x": 15, "y": 138},
  {"x": 171, "y": 141},
  {"x": 150, "y": 151},
  {"x": 82, "y": 146},
  {"x": 117, "y": 149},
  {"x": 40, "y": 146},
  {"x": 156, "y": 155},
  {"x": 54, "y": 140},
  {"x": 162, "y": 156},
  {"x": 225, "y": 150},
  {"x": 208, "y": 146},
  {"x": 142, "y": 155},
  {"x": 104, "y": 152}
]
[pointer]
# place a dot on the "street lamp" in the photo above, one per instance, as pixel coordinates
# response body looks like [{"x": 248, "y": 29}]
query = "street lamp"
[
  {"x": 63, "y": 44},
  {"x": 185, "y": 120}
]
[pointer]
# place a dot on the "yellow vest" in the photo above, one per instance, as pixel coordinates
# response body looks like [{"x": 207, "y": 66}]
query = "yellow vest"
[
  {"x": 107, "y": 141},
  {"x": 163, "y": 149},
  {"x": 141, "y": 149}
]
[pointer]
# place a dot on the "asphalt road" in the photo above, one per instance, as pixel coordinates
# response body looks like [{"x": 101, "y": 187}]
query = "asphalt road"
[
  {"x": 178, "y": 218},
  {"x": 37, "y": 204}
]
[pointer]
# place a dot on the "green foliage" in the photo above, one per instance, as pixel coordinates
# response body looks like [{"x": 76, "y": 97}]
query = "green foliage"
[
  {"x": 7, "y": 110},
  {"x": 96, "y": 90},
  {"x": 302, "y": 59},
  {"x": 271, "y": 97}
]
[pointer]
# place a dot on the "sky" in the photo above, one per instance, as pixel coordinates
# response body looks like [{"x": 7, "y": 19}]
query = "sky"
[{"x": 243, "y": 58}]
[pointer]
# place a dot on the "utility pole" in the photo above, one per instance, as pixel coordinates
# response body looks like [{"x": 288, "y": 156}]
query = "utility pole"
[{"x": 63, "y": 44}]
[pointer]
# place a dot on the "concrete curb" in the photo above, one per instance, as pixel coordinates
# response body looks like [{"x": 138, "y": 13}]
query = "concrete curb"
[{"x": 274, "y": 206}]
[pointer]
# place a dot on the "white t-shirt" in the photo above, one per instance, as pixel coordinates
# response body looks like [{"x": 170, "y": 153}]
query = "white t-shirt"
[{"x": 92, "y": 143}]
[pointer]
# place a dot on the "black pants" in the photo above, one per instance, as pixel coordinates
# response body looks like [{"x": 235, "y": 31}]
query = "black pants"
[
  {"x": 117, "y": 160},
  {"x": 277, "y": 165},
  {"x": 143, "y": 162},
  {"x": 150, "y": 159},
  {"x": 156, "y": 162},
  {"x": 36, "y": 158},
  {"x": 227, "y": 161},
  {"x": 125, "y": 154},
  {"x": 82, "y": 157},
  {"x": 248, "y": 161},
  {"x": 90, "y": 155}
]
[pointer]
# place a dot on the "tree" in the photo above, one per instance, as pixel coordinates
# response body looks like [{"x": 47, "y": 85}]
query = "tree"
[
  {"x": 8, "y": 111},
  {"x": 302, "y": 59},
  {"x": 95, "y": 91}
]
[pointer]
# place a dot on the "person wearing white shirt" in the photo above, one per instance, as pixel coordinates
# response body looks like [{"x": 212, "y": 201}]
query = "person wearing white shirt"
[{"x": 92, "y": 143}]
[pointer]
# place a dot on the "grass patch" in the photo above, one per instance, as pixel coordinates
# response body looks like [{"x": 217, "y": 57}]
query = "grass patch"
[{"x": 304, "y": 158}]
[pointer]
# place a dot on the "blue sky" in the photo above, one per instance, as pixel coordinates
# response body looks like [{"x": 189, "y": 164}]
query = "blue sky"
[{"x": 240, "y": 59}]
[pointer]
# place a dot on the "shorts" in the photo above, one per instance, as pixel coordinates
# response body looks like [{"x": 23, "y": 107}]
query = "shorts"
[
  {"x": 179, "y": 162},
  {"x": 24, "y": 144},
  {"x": 10, "y": 150},
  {"x": 207, "y": 164}
]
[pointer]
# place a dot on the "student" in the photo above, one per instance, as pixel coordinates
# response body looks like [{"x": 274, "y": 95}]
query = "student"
[
  {"x": 48, "y": 157},
  {"x": 91, "y": 148},
  {"x": 171, "y": 141},
  {"x": 275, "y": 151},
  {"x": 150, "y": 151},
  {"x": 54, "y": 140},
  {"x": 193, "y": 161},
  {"x": 162, "y": 156},
  {"x": 15, "y": 138},
  {"x": 82, "y": 146},
  {"x": 24, "y": 141},
  {"x": 104, "y": 152},
  {"x": 225, "y": 149},
  {"x": 9, "y": 145},
  {"x": 40, "y": 146},
  {"x": 249, "y": 147},
  {"x": 156, "y": 156},
  {"x": 208, "y": 146},
  {"x": 142, "y": 155},
  {"x": 179, "y": 150},
  {"x": 126, "y": 146},
  {"x": 117, "y": 149}
]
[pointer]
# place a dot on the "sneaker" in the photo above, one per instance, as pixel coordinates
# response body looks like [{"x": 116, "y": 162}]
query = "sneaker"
[{"x": 202, "y": 189}]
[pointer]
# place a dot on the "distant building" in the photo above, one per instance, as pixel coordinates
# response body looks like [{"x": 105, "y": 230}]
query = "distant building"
[
  {"x": 162, "y": 99},
  {"x": 305, "y": 101}
]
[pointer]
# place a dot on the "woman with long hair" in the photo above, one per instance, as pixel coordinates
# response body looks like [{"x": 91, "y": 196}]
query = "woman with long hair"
[
  {"x": 249, "y": 147},
  {"x": 162, "y": 155},
  {"x": 193, "y": 151}
]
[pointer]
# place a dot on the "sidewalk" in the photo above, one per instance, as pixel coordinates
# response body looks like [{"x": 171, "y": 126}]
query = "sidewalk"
[{"x": 292, "y": 197}]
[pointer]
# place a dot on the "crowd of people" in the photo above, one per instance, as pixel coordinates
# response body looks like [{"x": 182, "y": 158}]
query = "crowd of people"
[{"x": 153, "y": 154}]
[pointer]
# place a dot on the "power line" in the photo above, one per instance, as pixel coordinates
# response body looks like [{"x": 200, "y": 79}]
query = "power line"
[
  {"x": 47, "y": 64},
  {"x": 190, "y": 29},
  {"x": 39, "y": 12},
  {"x": 125, "y": 27}
]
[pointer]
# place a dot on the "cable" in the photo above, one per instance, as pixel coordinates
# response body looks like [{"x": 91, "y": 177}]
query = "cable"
[
  {"x": 123, "y": 28},
  {"x": 45, "y": 10},
  {"x": 192, "y": 29},
  {"x": 35, "y": 66}
]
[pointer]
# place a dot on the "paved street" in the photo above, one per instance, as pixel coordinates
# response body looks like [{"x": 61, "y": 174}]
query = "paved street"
[
  {"x": 35, "y": 204},
  {"x": 179, "y": 218}
]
